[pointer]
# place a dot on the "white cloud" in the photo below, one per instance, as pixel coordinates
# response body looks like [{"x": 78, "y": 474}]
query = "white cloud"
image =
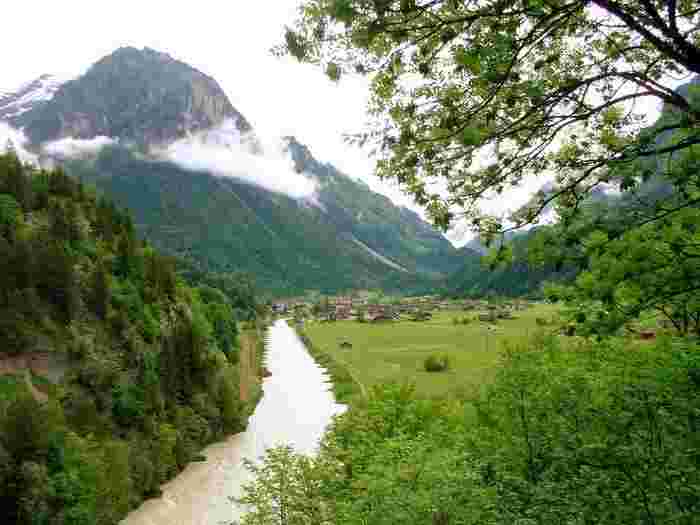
[
  {"x": 70, "y": 147},
  {"x": 10, "y": 135},
  {"x": 225, "y": 153}
]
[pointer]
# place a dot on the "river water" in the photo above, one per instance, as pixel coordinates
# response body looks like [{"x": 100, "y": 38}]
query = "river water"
[{"x": 296, "y": 408}]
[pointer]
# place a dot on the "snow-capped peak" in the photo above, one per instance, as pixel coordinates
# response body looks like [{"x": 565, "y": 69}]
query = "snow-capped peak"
[{"x": 25, "y": 97}]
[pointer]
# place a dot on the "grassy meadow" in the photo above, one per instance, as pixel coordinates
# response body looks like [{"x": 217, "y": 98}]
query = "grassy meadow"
[{"x": 395, "y": 351}]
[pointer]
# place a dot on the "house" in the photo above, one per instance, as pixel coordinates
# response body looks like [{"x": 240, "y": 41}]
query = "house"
[
  {"x": 379, "y": 312},
  {"x": 342, "y": 300},
  {"x": 279, "y": 308},
  {"x": 343, "y": 311}
]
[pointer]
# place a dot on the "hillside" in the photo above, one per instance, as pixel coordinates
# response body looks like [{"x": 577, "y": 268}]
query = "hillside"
[
  {"x": 163, "y": 140},
  {"x": 515, "y": 278},
  {"x": 113, "y": 372}
]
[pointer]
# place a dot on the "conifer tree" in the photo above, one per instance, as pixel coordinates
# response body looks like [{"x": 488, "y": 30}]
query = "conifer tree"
[{"x": 101, "y": 295}]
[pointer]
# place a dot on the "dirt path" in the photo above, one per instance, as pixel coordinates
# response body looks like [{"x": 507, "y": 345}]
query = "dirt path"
[{"x": 37, "y": 394}]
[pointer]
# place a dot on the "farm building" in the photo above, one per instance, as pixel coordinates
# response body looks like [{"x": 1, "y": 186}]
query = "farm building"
[
  {"x": 343, "y": 311},
  {"x": 379, "y": 312}
]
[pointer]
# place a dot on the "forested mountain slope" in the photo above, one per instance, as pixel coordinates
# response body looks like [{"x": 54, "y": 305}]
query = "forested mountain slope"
[{"x": 113, "y": 371}]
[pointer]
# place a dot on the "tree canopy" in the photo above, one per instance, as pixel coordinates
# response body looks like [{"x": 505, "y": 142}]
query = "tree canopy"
[{"x": 485, "y": 94}]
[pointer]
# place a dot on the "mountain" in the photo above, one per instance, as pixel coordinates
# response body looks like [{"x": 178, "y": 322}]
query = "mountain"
[
  {"x": 163, "y": 140},
  {"x": 395, "y": 232},
  {"x": 140, "y": 96},
  {"x": 518, "y": 278}
]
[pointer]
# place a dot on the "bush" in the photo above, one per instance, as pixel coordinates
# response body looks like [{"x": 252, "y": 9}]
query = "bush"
[{"x": 436, "y": 363}]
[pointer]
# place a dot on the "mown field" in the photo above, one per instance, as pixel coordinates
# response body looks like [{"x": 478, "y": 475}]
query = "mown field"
[{"x": 395, "y": 351}]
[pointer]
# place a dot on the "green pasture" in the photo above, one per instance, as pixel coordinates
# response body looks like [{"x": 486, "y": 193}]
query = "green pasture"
[{"x": 395, "y": 351}]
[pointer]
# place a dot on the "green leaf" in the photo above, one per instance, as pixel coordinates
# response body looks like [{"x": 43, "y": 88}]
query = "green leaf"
[
  {"x": 471, "y": 137},
  {"x": 333, "y": 71}
]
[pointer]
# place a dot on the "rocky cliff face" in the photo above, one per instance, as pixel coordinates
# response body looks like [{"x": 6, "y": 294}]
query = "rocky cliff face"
[{"x": 136, "y": 96}]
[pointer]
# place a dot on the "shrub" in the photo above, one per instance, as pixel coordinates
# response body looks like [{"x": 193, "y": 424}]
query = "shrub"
[{"x": 436, "y": 363}]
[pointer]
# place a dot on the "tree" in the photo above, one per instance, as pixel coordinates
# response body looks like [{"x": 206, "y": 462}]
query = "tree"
[
  {"x": 286, "y": 491},
  {"x": 25, "y": 429},
  {"x": 9, "y": 212},
  {"x": 540, "y": 86},
  {"x": 58, "y": 280},
  {"x": 60, "y": 227},
  {"x": 101, "y": 294},
  {"x": 17, "y": 181},
  {"x": 651, "y": 267}
]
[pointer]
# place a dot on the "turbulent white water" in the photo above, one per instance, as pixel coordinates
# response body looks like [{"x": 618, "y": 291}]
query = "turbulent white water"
[{"x": 296, "y": 407}]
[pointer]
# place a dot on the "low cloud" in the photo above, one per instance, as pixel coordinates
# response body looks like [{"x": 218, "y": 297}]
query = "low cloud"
[
  {"x": 71, "y": 148},
  {"x": 224, "y": 152},
  {"x": 15, "y": 139}
]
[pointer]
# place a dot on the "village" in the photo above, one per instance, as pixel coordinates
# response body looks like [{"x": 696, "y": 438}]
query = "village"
[{"x": 365, "y": 308}]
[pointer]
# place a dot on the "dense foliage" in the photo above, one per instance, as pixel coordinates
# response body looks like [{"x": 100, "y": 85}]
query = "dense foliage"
[
  {"x": 540, "y": 87},
  {"x": 141, "y": 368},
  {"x": 638, "y": 249},
  {"x": 604, "y": 434}
]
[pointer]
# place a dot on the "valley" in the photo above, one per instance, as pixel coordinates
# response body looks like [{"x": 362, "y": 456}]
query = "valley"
[
  {"x": 228, "y": 292},
  {"x": 386, "y": 351}
]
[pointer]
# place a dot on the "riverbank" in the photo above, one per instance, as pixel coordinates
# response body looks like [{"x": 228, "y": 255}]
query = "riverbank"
[
  {"x": 346, "y": 386},
  {"x": 295, "y": 408}
]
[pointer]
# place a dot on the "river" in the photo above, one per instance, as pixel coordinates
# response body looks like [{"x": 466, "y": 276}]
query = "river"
[{"x": 296, "y": 407}]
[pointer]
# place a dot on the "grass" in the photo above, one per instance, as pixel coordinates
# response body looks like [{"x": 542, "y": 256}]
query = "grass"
[
  {"x": 396, "y": 351},
  {"x": 346, "y": 385},
  {"x": 10, "y": 387}
]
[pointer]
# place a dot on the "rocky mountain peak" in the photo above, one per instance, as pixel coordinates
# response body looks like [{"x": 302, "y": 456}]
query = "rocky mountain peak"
[
  {"x": 136, "y": 95},
  {"x": 300, "y": 153}
]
